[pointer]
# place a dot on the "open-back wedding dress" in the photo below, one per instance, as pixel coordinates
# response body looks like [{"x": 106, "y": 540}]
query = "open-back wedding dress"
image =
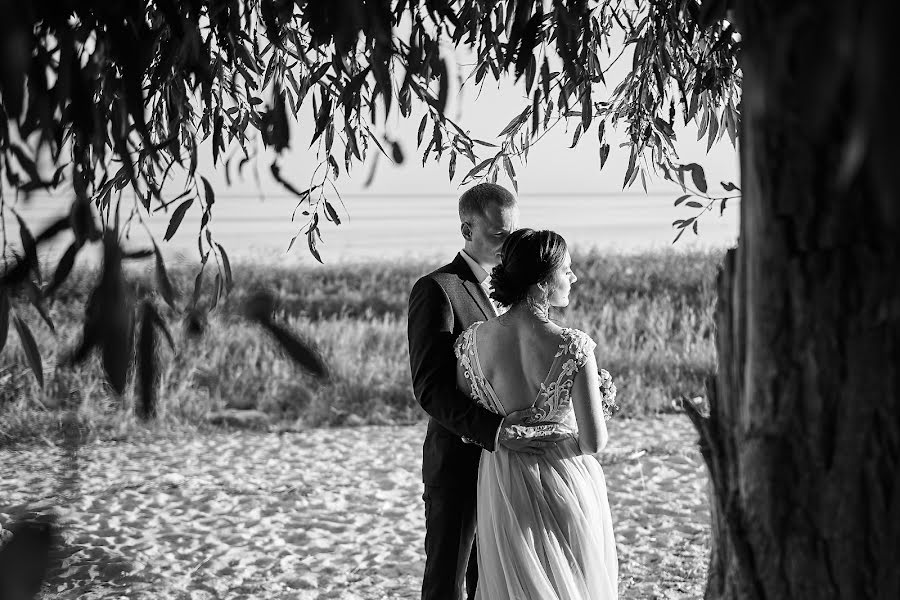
[{"x": 544, "y": 529}]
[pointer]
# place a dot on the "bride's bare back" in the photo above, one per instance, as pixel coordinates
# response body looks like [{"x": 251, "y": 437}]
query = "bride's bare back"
[
  {"x": 515, "y": 353},
  {"x": 516, "y": 358}
]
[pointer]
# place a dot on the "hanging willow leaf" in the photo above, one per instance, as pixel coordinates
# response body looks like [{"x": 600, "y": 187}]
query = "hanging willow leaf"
[
  {"x": 323, "y": 118},
  {"x": 177, "y": 217},
  {"x": 525, "y": 55},
  {"x": 510, "y": 172},
  {"x": 530, "y": 72},
  {"x": 604, "y": 154},
  {"x": 198, "y": 286},
  {"x": 631, "y": 170},
  {"x": 729, "y": 186},
  {"x": 421, "y": 132},
  {"x": 299, "y": 350},
  {"x": 26, "y": 162},
  {"x": 331, "y": 213},
  {"x": 217, "y": 291},
  {"x": 4, "y": 318},
  {"x": 698, "y": 176},
  {"x": 146, "y": 364},
  {"x": 162, "y": 279},
  {"x": 108, "y": 319},
  {"x": 29, "y": 246},
  {"x": 82, "y": 220},
  {"x": 34, "y": 295},
  {"x": 396, "y": 152},
  {"x": 137, "y": 254},
  {"x": 311, "y": 242},
  {"x": 444, "y": 87},
  {"x": 351, "y": 141},
  {"x": 478, "y": 168},
  {"x": 577, "y": 136},
  {"x": 713, "y": 130},
  {"x": 587, "y": 109},
  {"x": 276, "y": 173},
  {"x": 259, "y": 308},
  {"x": 226, "y": 264},
  {"x": 52, "y": 230},
  {"x": 29, "y": 346},
  {"x": 208, "y": 192},
  {"x": 63, "y": 268},
  {"x": 161, "y": 324}
]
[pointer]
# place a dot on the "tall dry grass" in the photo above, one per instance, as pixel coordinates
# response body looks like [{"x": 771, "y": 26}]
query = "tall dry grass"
[{"x": 651, "y": 315}]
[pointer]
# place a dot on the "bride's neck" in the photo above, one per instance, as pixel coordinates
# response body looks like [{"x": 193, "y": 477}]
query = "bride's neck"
[{"x": 526, "y": 311}]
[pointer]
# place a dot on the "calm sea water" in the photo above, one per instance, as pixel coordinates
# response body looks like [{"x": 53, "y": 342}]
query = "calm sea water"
[{"x": 381, "y": 227}]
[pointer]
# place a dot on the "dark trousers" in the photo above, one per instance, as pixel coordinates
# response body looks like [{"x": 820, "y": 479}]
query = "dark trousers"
[{"x": 451, "y": 566}]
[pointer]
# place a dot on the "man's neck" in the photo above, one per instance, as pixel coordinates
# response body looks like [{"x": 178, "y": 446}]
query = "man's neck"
[{"x": 483, "y": 271}]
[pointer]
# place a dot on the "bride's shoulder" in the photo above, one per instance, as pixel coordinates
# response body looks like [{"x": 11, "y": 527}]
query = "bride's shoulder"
[
  {"x": 571, "y": 333},
  {"x": 473, "y": 326},
  {"x": 577, "y": 343}
]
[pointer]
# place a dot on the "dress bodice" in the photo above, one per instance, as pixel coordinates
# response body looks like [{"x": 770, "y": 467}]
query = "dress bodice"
[{"x": 553, "y": 403}]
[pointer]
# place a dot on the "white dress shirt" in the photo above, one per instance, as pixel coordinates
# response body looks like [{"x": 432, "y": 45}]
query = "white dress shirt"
[{"x": 481, "y": 275}]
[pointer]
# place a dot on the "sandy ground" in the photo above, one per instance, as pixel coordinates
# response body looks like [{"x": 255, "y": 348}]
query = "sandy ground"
[{"x": 327, "y": 513}]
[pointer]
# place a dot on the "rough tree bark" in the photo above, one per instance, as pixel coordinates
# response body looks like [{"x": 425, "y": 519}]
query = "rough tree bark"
[{"x": 803, "y": 436}]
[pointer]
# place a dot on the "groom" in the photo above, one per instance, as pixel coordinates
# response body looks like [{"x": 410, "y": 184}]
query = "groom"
[{"x": 441, "y": 305}]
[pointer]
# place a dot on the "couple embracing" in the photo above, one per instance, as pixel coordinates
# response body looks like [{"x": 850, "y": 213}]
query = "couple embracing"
[{"x": 515, "y": 500}]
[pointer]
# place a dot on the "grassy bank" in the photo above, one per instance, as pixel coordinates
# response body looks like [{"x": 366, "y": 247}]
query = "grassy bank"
[{"x": 651, "y": 315}]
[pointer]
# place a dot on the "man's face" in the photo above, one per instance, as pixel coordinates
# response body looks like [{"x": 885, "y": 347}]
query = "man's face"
[{"x": 485, "y": 234}]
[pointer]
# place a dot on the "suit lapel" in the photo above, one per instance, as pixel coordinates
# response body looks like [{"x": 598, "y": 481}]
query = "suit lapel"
[
  {"x": 477, "y": 293},
  {"x": 473, "y": 287}
]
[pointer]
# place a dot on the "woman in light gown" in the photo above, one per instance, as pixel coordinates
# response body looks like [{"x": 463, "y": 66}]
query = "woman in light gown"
[{"x": 544, "y": 529}]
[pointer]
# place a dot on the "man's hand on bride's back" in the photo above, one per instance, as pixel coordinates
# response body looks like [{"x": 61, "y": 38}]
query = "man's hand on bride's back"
[{"x": 519, "y": 433}]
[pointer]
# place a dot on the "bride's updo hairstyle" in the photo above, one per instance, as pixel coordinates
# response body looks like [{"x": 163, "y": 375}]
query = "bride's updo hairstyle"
[{"x": 527, "y": 257}]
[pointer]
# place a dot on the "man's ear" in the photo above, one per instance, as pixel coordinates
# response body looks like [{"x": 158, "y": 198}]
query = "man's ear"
[{"x": 466, "y": 230}]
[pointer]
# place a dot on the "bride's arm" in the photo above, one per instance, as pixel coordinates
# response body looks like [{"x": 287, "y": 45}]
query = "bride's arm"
[{"x": 588, "y": 405}]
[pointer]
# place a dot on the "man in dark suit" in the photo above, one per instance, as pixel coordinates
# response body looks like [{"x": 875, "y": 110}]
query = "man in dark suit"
[{"x": 441, "y": 305}]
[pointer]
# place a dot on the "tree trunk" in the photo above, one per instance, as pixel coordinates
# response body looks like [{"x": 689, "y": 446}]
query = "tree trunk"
[{"x": 803, "y": 436}]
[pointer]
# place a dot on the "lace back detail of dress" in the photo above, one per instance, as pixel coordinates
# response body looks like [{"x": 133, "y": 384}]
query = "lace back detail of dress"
[
  {"x": 554, "y": 402},
  {"x": 464, "y": 349}
]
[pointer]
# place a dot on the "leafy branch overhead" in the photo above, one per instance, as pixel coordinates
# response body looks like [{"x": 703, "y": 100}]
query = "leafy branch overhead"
[
  {"x": 112, "y": 102},
  {"x": 121, "y": 95}
]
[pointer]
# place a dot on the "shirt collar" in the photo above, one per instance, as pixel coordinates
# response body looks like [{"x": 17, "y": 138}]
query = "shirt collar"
[{"x": 481, "y": 275}]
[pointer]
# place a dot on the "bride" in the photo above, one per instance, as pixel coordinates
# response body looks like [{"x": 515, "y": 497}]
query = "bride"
[{"x": 544, "y": 529}]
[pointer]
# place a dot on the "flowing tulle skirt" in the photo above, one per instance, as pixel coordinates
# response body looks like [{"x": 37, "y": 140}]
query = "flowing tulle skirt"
[{"x": 544, "y": 527}]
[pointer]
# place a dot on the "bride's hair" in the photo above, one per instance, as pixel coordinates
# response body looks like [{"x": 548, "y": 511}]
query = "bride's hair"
[{"x": 526, "y": 258}]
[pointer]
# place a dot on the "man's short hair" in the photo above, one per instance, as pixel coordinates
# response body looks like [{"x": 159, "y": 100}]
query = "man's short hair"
[{"x": 476, "y": 200}]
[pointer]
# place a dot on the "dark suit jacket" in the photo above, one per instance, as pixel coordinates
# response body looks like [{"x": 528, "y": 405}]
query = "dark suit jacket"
[{"x": 441, "y": 305}]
